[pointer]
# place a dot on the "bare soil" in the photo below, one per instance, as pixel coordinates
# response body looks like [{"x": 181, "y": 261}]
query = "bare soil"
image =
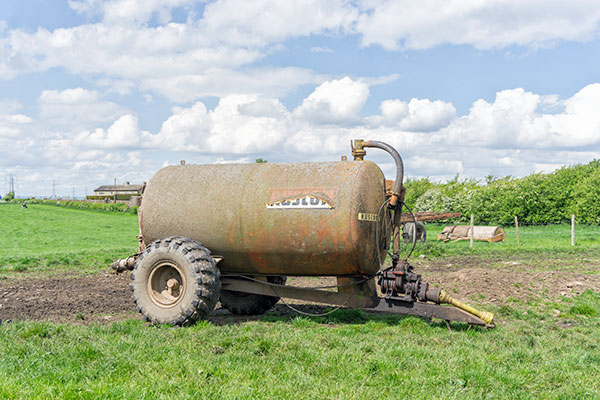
[
  {"x": 101, "y": 298},
  {"x": 497, "y": 280},
  {"x": 105, "y": 297}
]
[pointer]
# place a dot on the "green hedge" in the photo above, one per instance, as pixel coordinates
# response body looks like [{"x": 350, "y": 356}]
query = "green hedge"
[
  {"x": 84, "y": 205},
  {"x": 535, "y": 199}
]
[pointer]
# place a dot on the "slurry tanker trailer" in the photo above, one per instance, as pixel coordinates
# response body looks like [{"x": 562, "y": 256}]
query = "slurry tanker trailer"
[{"x": 234, "y": 232}]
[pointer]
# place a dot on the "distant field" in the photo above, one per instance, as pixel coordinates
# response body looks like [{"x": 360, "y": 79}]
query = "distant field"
[
  {"x": 545, "y": 295},
  {"x": 47, "y": 238}
]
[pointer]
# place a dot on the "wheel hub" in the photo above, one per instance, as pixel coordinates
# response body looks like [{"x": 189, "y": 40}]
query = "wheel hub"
[{"x": 166, "y": 285}]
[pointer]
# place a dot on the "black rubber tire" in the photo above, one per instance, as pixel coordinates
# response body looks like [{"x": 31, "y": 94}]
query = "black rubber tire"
[
  {"x": 197, "y": 269},
  {"x": 240, "y": 303}
]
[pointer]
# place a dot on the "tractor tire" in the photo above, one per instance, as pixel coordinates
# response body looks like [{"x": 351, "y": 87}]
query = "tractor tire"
[
  {"x": 175, "y": 281},
  {"x": 241, "y": 303}
]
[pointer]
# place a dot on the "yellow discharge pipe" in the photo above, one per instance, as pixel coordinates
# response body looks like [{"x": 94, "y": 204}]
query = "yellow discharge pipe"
[{"x": 484, "y": 315}]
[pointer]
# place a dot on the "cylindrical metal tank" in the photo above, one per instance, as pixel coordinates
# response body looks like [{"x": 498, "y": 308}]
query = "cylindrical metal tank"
[{"x": 311, "y": 219}]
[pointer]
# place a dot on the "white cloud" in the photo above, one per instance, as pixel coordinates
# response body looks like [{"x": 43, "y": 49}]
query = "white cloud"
[
  {"x": 579, "y": 124},
  {"x": 186, "y": 129},
  {"x": 153, "y": 57},
  {"x": 513, "y": 121},
  {"x": 239, "y": 124},
  {"x": 396, "y": 24},
  {"x": 10, "y": 124},
  {"x": 233, "y": 131},
  {"x": 224, "y": 82},
  {"x": 418, "y": 115},
  {"x": 123, "y": 133},
  {"x": 251, "y": 124},
  {"x": 133, "y": 44},
  {"x": 77, "y": 108},
  {"x": 243, "y": 160},
  {"x": 335, "y": 101},
  {"x": 262, "y": 22},
  {"x": 127, "y": 11},
  {"x": 513, "y": 135}
]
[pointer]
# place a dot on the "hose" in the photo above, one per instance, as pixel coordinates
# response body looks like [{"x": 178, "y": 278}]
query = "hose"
[{"x": 397, "y": 189}]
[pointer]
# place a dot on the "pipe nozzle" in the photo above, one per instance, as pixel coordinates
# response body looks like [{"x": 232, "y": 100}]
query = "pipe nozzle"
[{"x": 488, "y": 317}]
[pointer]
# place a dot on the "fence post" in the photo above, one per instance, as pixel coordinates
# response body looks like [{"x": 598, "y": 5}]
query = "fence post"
[
  {"x": 572, "y": 229},
  {"x": 472, "y": 233},
  {"x": 517, "y": 229}
]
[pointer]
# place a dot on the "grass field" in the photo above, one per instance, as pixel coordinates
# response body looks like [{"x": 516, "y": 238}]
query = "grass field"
[
  {"x": 543, "y": 348},
  {"x": 546, "y": 239},
  {"x": 45, "y": 238}
]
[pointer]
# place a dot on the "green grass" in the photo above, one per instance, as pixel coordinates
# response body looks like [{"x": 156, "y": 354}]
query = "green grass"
[
  {"x": 49, "y": 238},
  {"x": 546, "y": 239},
  {"x": 353, "y": 356}
]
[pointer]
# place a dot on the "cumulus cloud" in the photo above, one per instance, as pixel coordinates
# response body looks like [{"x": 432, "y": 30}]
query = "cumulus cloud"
[
  {"x": 10, "y": 124},
  {"x": 183, "y": 61},
  {"x": 184, "y": 130},
  {"x": 252, "y": 124},
  {"x": 517, "y": 133},
  {"x": 123, "y": 133},
  {"x": 225, "y": 82},
  {"x": 127, "y": 11},
  {"x": 239, "y": 132},
  {"x": 335, "y": 101},
  {"x": 418, "y": 115},
  {"x": 262, "y": 22},
  {"x": 513, "y": 120},
  {"x": 395, "y": 24},
  {"x": 136, "y": 44},
  {"x": 77, "y": 107},
  {"x": 579, "y": 124},
  {"x": 239, "y": 124}
]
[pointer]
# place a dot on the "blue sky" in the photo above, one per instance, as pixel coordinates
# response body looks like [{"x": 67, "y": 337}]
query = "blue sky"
[{"x": 92, "y": 91}]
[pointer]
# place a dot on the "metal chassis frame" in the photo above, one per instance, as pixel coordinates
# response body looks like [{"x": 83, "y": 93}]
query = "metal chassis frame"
[{"x": 393, "y": 305}]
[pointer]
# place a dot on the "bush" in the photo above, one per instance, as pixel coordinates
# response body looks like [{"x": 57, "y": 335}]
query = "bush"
[
  {"x": 586, "y": 199},
  {"x": 535, "y": 199}
]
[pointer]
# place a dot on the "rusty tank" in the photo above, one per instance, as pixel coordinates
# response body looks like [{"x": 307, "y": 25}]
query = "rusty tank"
[{"x": 311, "y": 219}]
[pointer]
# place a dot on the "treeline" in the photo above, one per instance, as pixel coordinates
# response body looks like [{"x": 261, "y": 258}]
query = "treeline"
[{"x": 535, "y": 199}]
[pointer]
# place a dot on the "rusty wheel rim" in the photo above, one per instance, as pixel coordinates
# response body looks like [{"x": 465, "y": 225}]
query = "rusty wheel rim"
[{"x": 166, "y": 284}]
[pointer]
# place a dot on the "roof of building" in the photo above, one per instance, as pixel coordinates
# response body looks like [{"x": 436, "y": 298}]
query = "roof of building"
[{"x": 119, "y": 188}]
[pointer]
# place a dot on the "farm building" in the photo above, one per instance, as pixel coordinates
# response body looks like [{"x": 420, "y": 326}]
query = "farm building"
[
  {"x": 111, "y": 190},
  {"x": 116, "y": 192}
]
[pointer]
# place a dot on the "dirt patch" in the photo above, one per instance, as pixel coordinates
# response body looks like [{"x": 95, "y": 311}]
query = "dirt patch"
[
  {"x": 496, "y": 286},
  {"x": 496, "y": 280},
  {"x": 82, "y": 299},
  {"x": 105, "y": 297}
]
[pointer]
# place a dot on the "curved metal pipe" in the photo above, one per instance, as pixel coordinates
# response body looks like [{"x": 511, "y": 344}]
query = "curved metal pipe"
[{"x": 397, "y": 189}]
